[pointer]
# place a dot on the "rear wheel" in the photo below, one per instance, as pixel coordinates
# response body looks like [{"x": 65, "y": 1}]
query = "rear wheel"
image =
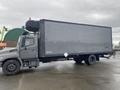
[
  {"x": 11, "y": 67},
  {"x": 90, "y": 59}
]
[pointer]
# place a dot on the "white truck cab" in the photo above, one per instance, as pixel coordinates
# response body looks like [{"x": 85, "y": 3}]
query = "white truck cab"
[{"x": 24, "y": 55}]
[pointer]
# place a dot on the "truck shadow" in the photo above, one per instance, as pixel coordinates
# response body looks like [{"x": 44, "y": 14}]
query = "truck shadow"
[
  {"x": 66, "y": 67},
  {"x": 25, "y": 71}
]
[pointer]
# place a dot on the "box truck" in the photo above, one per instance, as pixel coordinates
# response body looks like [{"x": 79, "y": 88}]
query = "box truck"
[{"x": 57, "y": 40}]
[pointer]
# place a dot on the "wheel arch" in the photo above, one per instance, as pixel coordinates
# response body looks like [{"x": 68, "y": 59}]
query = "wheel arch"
[{"x": 12, "y": 59}]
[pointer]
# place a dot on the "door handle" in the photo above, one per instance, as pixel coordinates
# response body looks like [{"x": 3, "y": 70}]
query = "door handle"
[{"x": 33, "y": 49}]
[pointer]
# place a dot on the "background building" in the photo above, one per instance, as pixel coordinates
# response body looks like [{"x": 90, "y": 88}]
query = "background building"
[{"x": 12, "y": 36}]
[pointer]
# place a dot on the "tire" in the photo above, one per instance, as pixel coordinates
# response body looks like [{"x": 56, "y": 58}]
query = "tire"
[
  {"x": 78, "y": 60},
  {"x": 90, "y": 60},
  {"x": 11, "y": 67}
]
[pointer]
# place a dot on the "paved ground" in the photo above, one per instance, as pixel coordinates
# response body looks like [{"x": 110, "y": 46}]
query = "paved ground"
[{"x": 66, "y": 75}]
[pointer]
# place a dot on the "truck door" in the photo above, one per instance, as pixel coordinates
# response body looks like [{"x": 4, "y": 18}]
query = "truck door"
[{"x": 29, "y": 47}]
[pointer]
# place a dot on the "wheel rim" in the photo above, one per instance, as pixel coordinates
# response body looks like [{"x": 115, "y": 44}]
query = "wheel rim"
[{"x": 11, "y": 67}]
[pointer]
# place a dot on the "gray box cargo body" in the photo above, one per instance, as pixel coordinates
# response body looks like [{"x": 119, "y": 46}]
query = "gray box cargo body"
[{"x": 57, "y": 38}]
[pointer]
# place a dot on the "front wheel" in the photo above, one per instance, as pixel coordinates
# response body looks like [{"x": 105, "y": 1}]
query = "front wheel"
[{"x": 11, "y": 67}]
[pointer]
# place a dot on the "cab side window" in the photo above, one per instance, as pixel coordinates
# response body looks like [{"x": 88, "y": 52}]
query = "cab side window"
[{"x": 29, "y": 41}]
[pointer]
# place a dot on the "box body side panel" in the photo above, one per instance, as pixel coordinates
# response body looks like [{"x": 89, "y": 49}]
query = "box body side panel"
[{"x": 59, "y": 38}]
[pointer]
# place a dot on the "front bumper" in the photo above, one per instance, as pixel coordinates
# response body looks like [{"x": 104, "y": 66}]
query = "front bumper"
[{"x": 0, "y": 63}]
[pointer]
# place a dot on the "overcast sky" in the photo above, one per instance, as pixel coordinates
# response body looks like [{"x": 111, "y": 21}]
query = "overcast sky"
[{"x": 14, "y": 13}]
